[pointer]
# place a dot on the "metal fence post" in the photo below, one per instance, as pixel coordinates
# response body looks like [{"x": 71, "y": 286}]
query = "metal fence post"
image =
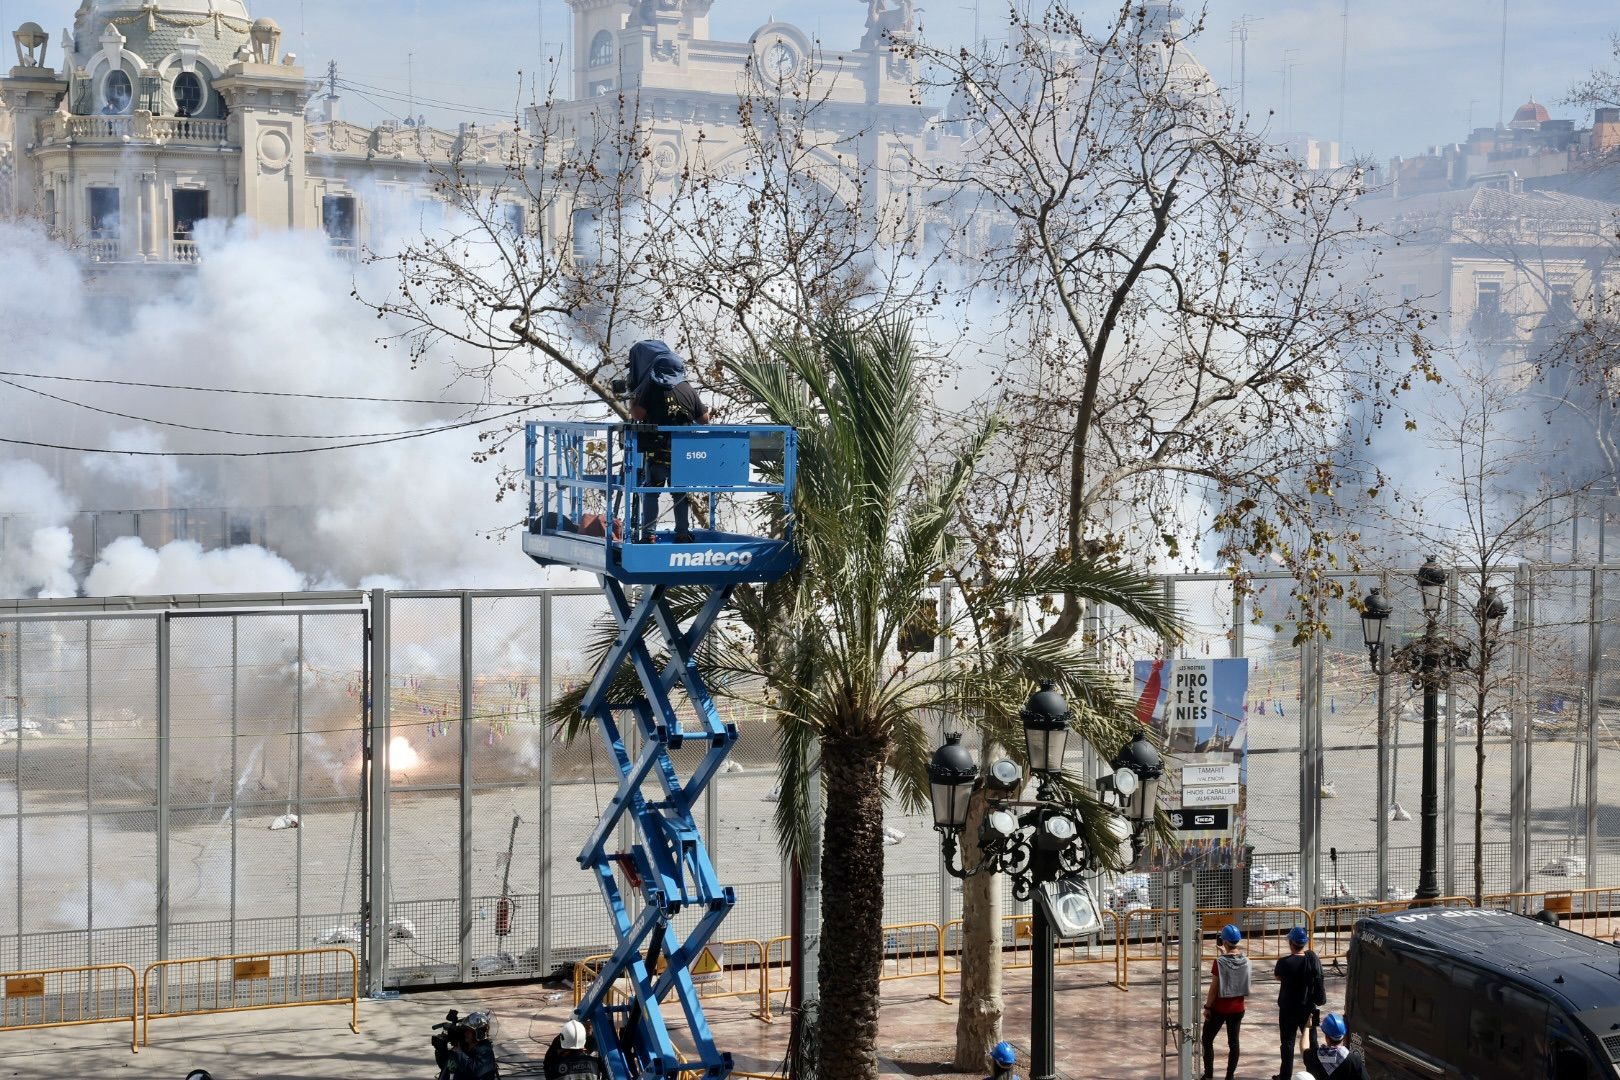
[
  {"x": 946, "y": 645},
  {"x": 236, "y": 668},
  {"x": 1522, "y": 821},
  {"x": 298, "y": 786},
  {"x": 543, "y": 840},
  {"x": 163, "y": 732},
  {"x": 1310, "y": 791},
  {"x": 464, "y": 772},
  {"x": 1240, "y": 856},
  {"x": 377, "y": 734},
  {"x": 1522, "y": 615},
  {"x": 89, "y": 795},
  {"x": 1448, "y": 802},
  {"x": 17, "y": 709},
  {"x": 1386, "y": 793},
  {"x": 1594, "y": 658}
]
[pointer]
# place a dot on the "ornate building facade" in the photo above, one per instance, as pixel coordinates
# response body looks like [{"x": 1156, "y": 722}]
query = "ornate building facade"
[
  {"x": 154, "y": 115},
  {"x": 161, "y": 114}
]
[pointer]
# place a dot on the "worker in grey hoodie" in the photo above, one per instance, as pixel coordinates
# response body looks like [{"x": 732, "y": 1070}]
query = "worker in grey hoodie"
[{"x": 1228, "y": 988}]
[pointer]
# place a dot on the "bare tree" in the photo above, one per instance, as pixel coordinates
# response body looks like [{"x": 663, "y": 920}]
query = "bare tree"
[
  {"x": 723, "y": 243},
  {"x": 1600, "y": 88},
  {"x": 1193, "y": 331},
  {"x": 1498, "y": 491},
  {"x": 1187, "y": 336}
]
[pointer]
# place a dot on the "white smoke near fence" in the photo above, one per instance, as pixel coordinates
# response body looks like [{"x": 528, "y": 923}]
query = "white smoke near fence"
[
  {"x": 40, "y": 560},
  {"x": 271, "y": 312},
  {"x": 127, "y": 567}
]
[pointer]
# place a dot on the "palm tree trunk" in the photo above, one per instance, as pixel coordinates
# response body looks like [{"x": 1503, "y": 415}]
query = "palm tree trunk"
[
  {"x": 852, "y": 904},
  {"x": 979, "y": 1012}
]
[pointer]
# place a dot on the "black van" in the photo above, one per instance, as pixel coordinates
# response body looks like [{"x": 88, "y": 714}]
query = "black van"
[{"x": 1466, "y": 994}]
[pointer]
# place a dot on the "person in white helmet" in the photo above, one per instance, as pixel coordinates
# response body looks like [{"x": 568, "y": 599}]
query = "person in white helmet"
[{"x": 573, "y": 1053}]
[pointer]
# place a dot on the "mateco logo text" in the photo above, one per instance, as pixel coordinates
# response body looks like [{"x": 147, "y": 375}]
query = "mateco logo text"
[{"x": 710, "y": 557}]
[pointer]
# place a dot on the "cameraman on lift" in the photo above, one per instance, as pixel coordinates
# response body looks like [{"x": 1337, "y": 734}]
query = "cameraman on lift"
[{"x": 661, "y": 396}]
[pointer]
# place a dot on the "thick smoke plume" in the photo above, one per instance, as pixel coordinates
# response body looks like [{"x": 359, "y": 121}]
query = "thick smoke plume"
[{"x": 267, "y": 312}]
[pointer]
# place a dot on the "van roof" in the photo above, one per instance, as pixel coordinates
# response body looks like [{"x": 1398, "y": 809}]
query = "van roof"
[{"x": 1582, "y": 971}]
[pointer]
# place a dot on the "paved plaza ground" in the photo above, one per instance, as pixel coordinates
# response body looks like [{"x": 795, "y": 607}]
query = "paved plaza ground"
[{"x": 1103, "y": 1033}]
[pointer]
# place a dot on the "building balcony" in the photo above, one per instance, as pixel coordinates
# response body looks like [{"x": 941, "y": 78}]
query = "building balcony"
[
  {"x": 185, "y": 251},
  {"x": 103, "y": 249},
  {"x": 60, "y": 130}
]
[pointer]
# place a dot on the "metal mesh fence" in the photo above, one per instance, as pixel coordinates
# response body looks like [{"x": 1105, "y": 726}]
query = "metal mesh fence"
[
  {"x": 179, "y": 784},
  {"x": 248, "y": 825}
]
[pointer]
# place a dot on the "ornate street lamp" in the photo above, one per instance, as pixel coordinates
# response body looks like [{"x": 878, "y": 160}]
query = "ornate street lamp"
[
  {"x": 1430, "y": 662},
  {"x": 1037, "y": 842},
  {"x": 1046, "y": 718},
  {"x": 1491, "y": 610},
  {"x": 1432, "y": 584},
  {"x": 1375, "y": 613},
  {"x": 1138, "y": 768},
  {"x": 952, "y": 773}
]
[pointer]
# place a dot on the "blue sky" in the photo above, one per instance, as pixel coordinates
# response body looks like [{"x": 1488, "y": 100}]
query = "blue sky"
[{"x": 1418, "y": 68}]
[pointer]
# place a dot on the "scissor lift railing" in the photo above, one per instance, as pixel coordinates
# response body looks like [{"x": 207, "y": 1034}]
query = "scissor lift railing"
[{"x": 584, "y": 486}]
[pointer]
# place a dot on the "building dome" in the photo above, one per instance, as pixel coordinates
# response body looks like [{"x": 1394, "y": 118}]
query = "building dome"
[
  {"x": 1530, "y": 115},
  {"x": 231, "y": 9},
  {"x": 150, "y": 29}
]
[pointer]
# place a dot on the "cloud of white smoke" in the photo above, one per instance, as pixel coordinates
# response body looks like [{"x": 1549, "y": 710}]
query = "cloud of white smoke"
[
  {"x": 270, "y": 312},
  {"x": 127, "y": 567}
]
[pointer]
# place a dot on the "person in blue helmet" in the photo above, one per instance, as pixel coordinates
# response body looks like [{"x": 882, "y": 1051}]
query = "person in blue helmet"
[
  {"x": 1224, "y": 1008},
  {"x": 1336, "y": 1059},
  {"x": 661, "y": 396},
  {"x": 1300, "y": 990},
  {"x": 1003, "y": 1058}
]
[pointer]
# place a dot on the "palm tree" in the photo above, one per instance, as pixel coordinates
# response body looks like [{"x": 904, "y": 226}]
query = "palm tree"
[
  {"x": 873, "y": 527},
  {"x": 872, "y": 522}
]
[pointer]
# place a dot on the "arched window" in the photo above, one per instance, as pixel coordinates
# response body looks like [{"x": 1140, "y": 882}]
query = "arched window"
[
  {"x": 601, "y": 49},
  {"x": 188, "y": 94},
  {"x": 118, "y": 91}
]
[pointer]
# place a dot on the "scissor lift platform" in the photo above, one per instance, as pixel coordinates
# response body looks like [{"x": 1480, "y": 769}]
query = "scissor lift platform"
[
  {"x": 585, "y": 482},
  {"x": 585, "y": 486}
]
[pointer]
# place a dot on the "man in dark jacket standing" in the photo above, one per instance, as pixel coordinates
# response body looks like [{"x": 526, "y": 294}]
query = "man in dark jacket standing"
[
  {"x": 1299, "y": 978},
  {"x": 663, "y": 398}
]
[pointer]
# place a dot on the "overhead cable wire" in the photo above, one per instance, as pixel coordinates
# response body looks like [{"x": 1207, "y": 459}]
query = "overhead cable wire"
[
  {"x": 438, "y": 103},
  {"x": 373, "y": 95},
  {"x": 262, "y": 453},
  {"x": 210, "y": 430},
  {"x": 524, "y": 400}
]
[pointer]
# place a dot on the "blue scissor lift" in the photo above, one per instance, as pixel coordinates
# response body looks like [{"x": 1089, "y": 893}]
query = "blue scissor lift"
[{"x": 585, "y": 481}]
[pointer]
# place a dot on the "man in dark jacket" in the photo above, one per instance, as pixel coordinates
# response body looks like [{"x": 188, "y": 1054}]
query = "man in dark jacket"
[
  {"x": 1335, "y": 1060},
  {"x": 1299, "y": 974},
  {"x": 663, "y": 398}
]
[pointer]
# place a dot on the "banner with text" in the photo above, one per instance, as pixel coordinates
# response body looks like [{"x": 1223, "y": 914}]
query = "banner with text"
[{"x": 1196, "y": 705}]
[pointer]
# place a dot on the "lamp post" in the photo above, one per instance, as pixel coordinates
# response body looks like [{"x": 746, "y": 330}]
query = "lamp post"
[
  {"x": 1375, "y": 613},
  {"x": 1037, "y": 842},
  {"x": 1430, "y": 662}
]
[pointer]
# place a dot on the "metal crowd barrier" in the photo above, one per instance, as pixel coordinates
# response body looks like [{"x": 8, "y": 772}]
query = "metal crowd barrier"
[
  {"x": 246, "y": 982},
  {"x": 743, "y": 974},
  {"x": 1265, "y": 932},
  {"x": 1593, "y": 912},
  {"x": 915, "y": 951},
  {"x": 778, "y": 967},
  {"x": 1333, "y": 924},
  {"x": 1099, "y": 948},
  {"x": 68, "y": 997},
  {"x": 931, "y": 950}
]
